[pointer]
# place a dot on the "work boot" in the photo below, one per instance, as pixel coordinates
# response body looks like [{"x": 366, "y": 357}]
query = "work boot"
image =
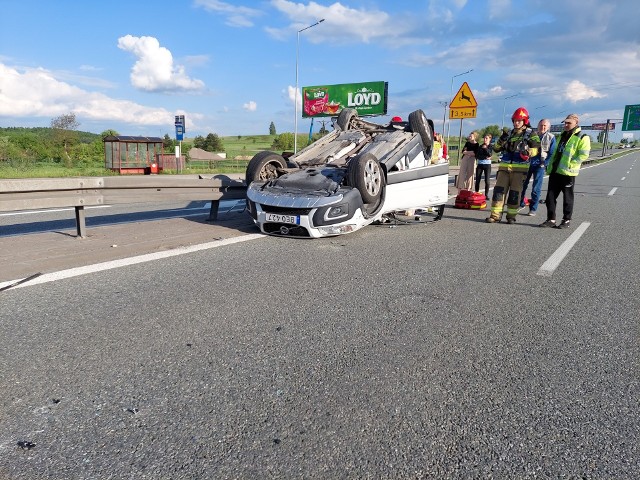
[
  {"x": 492, "y": 220},
  {"x": 511, "y": 221}
]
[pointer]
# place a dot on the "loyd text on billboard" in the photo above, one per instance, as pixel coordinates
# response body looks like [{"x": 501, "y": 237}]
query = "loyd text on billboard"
[{"x": 368, "y": 98}]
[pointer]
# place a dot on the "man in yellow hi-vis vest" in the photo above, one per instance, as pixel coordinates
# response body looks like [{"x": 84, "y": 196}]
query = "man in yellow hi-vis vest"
[{"x": 572, "y": 149}]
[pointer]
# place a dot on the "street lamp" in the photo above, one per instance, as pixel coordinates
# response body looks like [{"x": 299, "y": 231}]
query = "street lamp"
[
  {"x": 444, "y": 115},
  {"x": 450, "y": 94},
  {"x": 538, "y": 108},
  {"x": 504, "y": 106},
  {"x": 295, "y": 96}
]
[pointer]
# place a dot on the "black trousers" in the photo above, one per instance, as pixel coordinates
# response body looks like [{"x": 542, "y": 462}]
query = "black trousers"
[
  {"x": 560, "y": 184},
  {"x": 487, "y": 173}
]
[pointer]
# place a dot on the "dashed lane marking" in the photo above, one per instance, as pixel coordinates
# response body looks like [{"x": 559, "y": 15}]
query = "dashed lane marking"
[{"x": 548, "y": 267}]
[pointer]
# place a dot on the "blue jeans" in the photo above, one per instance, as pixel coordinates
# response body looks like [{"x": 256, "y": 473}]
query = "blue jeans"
[{"x": 537, "y": 173}]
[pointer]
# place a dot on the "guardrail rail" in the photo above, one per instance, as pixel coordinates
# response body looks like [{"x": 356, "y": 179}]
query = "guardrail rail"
[{"x": 81, "y": 192}]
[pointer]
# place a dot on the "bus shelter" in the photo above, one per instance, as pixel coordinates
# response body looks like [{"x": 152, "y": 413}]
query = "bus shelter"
[{"x": 132, "y": 155}]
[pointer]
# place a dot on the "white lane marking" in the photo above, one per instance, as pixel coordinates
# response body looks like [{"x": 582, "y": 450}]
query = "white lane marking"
[
  {"x": 548, "y": 267},
  {"x": 99, "y": 267},
  {"x": 623, "y": 178},
  {"x": 613, "y": 190},
  {"x": 49, "y": 210}
]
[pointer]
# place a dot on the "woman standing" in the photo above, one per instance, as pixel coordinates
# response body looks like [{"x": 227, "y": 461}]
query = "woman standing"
[
  {"x": 484, "y": 164},
  {"x": 468, "y": 162}
]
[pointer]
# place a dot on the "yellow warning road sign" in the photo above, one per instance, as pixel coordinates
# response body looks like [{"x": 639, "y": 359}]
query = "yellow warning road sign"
[{"x": 464, "y": 98}]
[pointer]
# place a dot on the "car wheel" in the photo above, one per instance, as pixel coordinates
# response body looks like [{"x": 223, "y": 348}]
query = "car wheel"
[
  {"x": 366, "y": 175},
  {"x": 421, "y": 125},
  {"x": 264, "y": 166},
  {"x": 345, "y": 117}
]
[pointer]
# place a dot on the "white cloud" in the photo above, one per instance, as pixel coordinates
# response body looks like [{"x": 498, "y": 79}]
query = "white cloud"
[
  {"x": 251, "y": 106},
  {"x": 237, "y": 16},
  {"x": 37, "y": 93},
  {"x": 291, "y": 95},
  {"x": 154, "y": 71},
  {"x": 339, "y": 25},
  {"x": 576, "y": 91}
]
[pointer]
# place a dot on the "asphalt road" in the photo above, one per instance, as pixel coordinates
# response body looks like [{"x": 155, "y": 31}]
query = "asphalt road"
[{"x": 423, "y": 350}]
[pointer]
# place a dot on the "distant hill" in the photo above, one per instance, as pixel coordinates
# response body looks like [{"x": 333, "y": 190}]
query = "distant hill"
[{"x": 43, "y": 132}]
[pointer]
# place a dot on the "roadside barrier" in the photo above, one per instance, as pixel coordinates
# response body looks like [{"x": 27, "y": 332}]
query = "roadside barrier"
[{"x": 80, "y": 192}]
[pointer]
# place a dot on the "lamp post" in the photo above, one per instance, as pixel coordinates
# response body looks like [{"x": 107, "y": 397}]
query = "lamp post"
[
  {"x": 450, "y": 94},
  {"x": 538, "y": 108},
  {"x": 444, "y": 115},
  {"x": 504, "y": 106},
  {"x": 295, "y": 96}
]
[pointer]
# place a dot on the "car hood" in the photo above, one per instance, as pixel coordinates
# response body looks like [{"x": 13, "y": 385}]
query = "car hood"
[{"x": 306, "y": 188}]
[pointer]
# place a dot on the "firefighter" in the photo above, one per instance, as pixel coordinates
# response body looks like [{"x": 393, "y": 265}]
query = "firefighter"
[{"x": 516, "y": 147}]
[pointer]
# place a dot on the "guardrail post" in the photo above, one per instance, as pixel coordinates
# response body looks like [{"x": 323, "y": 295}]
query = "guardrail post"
[
  {"x": 81, "y": 227},
  {"x": 213, "y": 211}
]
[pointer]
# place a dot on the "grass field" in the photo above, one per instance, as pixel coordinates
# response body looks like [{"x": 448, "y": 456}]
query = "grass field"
[{"x": 248, "y": 145}]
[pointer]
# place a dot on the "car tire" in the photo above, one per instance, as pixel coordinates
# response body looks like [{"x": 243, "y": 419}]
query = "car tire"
[
  {"x": 367, "y": 176},
  {"x": 420, "y": 124},
  {"x": 345, "y": 116},
  {"x": 264, "y": 166}
]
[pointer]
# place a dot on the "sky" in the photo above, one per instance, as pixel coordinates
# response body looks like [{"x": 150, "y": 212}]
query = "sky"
[{"x": 230, "y": 66}]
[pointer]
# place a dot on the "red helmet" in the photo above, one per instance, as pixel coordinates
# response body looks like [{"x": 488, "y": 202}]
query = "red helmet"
[
  {"x": 521, "y": 114},
  {"x": 396, "y": 119}
]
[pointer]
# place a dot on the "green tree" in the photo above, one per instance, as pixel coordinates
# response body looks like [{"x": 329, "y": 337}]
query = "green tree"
[
  {"x": 64, "y": 134},
  {"x": 10, "y": 152},
  {"x": 213, "y": 143},
  {"x": 168, "y": 143},
  {"x": 272, "y": 129},
  {"x": 494, "y": 130},
  {"x": 284, "y": 141},
  {"x": 109, "y": 133},
  {"x": 198, "y": 142}
]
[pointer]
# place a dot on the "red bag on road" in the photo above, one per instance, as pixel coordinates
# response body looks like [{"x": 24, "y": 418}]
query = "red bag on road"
[{"x": 469, "y": 199}]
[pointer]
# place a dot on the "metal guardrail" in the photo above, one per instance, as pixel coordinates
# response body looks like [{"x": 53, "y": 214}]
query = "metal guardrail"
[{"x": 80, "y": 192}]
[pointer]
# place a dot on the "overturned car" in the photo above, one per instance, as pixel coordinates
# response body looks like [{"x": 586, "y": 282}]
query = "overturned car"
[{"x": 358, "y": 174}]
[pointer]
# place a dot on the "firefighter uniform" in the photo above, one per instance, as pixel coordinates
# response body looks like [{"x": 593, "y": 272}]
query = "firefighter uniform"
[{"x": 515, "y": 147}]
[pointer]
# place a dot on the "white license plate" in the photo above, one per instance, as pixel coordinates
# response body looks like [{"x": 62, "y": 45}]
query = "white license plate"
[{"x": 277, "y": 218}]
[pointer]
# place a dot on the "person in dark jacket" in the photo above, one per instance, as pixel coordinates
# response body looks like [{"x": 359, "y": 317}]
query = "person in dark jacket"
[{"x": 483, "y": 157}]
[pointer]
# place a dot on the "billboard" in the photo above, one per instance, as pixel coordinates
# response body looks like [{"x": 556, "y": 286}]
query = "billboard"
[
  {"x": 596, "y": 126},
  {"x": 367, "y": 98},
  {"x": 602, "y": 126}
]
